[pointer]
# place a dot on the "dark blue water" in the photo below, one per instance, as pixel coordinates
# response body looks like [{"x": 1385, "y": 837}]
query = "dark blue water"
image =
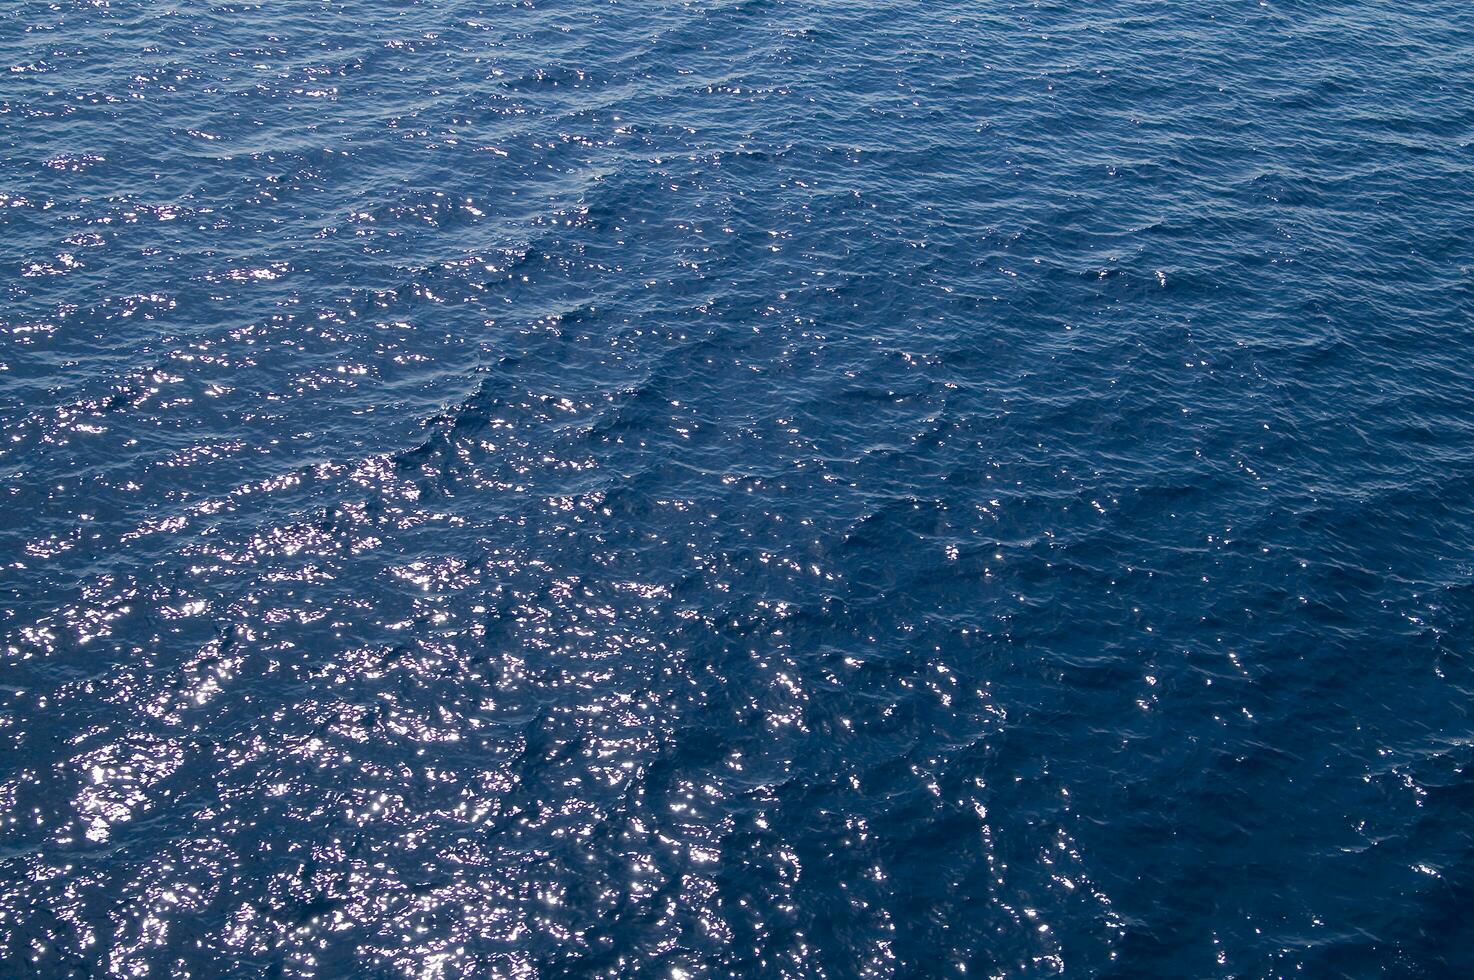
[{"x": 736, "y": 489}]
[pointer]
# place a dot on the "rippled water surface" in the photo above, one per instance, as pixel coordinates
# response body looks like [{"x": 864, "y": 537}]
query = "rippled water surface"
[{"x": 736, "y": 489}]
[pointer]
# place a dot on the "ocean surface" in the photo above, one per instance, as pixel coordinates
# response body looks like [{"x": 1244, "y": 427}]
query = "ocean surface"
[{"x": 738, "y": 488}]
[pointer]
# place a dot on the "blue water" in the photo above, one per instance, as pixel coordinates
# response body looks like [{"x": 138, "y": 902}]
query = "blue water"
[{"x": 736, "y": 489}]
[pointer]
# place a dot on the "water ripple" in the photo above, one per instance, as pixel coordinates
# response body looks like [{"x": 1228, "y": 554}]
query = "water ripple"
[{"x": 735, "y": 489}]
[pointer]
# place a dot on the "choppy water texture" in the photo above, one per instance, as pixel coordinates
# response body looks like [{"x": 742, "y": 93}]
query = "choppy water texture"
[{"x": 736, "y": 489}]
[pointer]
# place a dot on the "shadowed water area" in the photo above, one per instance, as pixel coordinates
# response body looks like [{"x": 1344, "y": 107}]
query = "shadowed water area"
[{"x": 736, "y": 489}]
